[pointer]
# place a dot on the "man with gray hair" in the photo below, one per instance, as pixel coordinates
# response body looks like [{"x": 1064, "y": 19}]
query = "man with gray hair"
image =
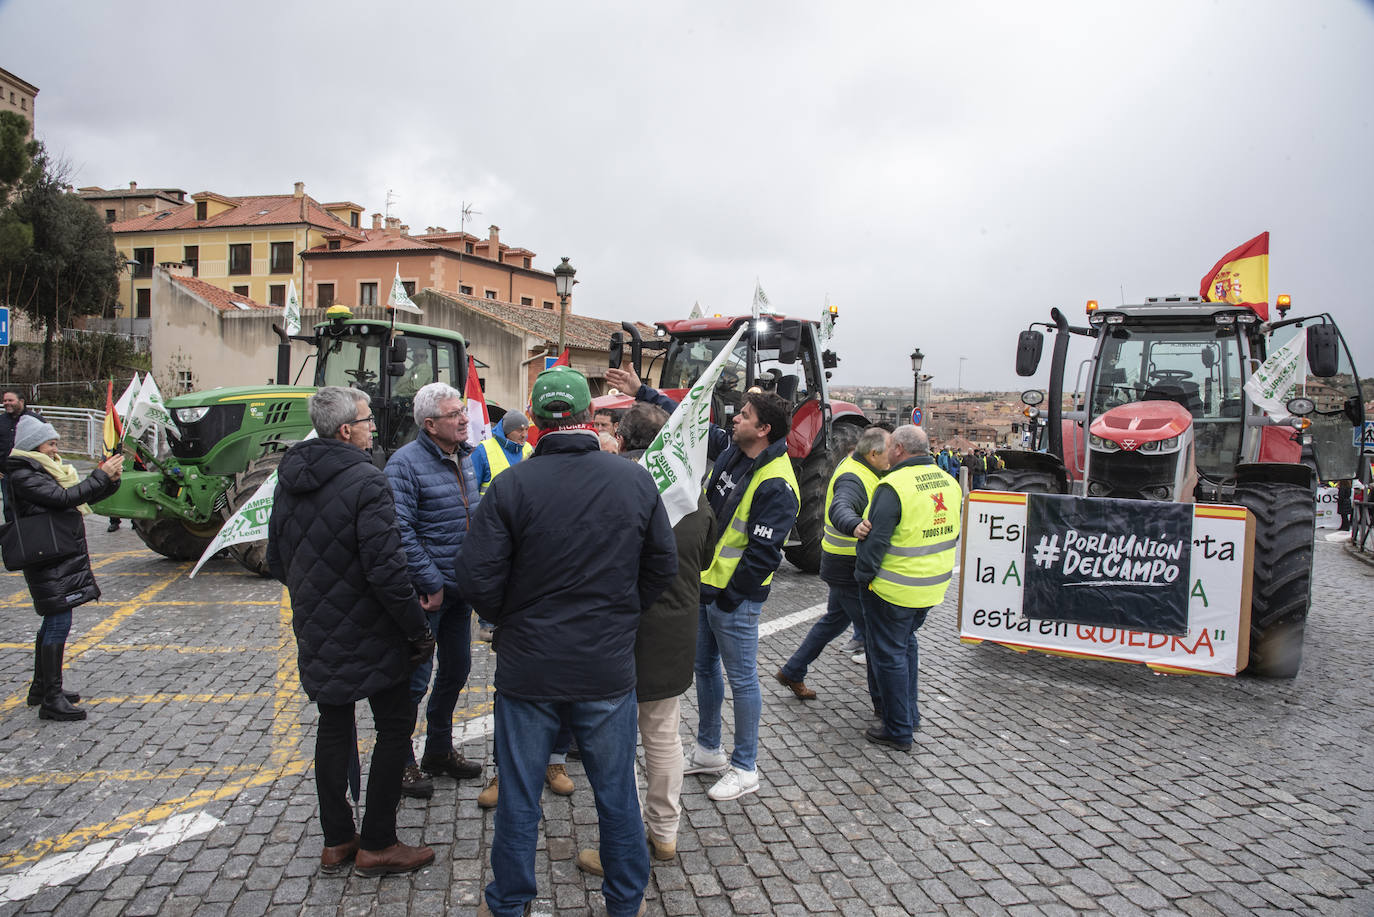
[
  {"x": 904, "y": 567},
  {"x": 436, "y": 489},
  {"x": 333, "y": 541}
]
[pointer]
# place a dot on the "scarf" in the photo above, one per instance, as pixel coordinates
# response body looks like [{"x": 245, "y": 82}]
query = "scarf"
[{"x": 64, "y": 473}]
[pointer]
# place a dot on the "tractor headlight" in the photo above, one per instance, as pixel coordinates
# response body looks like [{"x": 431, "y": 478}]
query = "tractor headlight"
[
  {"x": 191, "y": 415},
  {"x": 1104, "y": 445},
  {"x": 1161, "y": 445}
]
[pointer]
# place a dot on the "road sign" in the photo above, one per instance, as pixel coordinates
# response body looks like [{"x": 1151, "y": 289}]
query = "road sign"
[
  {"x": 916, "y": 417},
  {"x": 549, "y": 361},
  {"x": 4, "y": 326},
  {"x": 1366, "y": 440}
]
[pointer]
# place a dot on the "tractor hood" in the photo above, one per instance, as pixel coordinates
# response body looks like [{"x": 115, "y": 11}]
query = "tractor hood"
[{"x": 1142, "y": 424}]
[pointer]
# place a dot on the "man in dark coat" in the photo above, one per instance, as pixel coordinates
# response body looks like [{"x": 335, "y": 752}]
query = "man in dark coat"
[
  {"x": 565, "y": 552},
  {"x": 334, "y": 542},
  {"x": 15, "y": 408}
]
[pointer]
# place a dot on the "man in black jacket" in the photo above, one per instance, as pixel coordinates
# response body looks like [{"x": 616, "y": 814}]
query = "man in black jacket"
[
  {"x": 334, "y": 542},
  {"x": 15, "y": 408},
  {"x": 565, "y": 551}
]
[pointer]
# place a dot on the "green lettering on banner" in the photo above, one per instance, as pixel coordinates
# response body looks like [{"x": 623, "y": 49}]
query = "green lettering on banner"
[
  {"x": 1199, "y": 593},
  {"x": 1012, "y": 573}
]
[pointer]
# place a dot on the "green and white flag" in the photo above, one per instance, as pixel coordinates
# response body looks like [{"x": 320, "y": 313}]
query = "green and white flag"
[
  {"x": 677, "y": 456},
  {"x": 1277, "y": 380},
  {"x": 696, "y": 310},
  {"x": 293, "y": 308},
  {"x": 760, "y": 299},
  {"x": 148, "y": 412},
  {"x": 399, "y": 299},
  {"x": 126, "y": 400},
  {"x": 249, "y": 523}
]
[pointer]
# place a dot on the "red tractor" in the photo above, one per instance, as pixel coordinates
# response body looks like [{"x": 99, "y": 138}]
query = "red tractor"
[
  {"x": 1161, "y": 412},
  {"x": 777, "y": 354}
]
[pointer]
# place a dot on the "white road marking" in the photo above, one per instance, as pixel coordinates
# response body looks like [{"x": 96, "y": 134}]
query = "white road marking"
[
  {"x": 66, "y": 866},
  {"x": 792, "y": 620}
]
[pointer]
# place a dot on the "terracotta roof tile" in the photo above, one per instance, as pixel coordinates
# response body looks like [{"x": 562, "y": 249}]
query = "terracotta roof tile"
[
  {"x": 220, "y": 299},
  {"x": 375, "y": 240},
  {"x": 582, "y": 331},
  {"x": 262, "y": 210}
]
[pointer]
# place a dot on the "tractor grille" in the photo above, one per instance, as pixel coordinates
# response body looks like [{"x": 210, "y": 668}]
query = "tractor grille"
[
  {"x": 200, "y": 437},
  {"x": 276, "y": 412},
  {"x": 1130, "y": 474}
]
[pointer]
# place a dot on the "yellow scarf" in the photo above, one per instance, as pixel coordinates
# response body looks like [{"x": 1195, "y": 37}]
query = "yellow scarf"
[{"x": 64, "y": 473}]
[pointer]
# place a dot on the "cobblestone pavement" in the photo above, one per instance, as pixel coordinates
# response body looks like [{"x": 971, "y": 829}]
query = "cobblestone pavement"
[{"x": 1037, "y": 784}]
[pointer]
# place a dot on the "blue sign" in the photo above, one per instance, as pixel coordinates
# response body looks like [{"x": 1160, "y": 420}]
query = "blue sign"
[
  {"x": 1366, "y": 440},
  {"x": 916, "y": 417},
  {"x": 4, "y": 327},
  {"x": 549, "y": 361}
]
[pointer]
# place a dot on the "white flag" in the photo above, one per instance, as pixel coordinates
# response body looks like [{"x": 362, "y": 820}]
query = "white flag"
[
  {"x": 760, "y": 299},
  {"x": 293, "y": 308},
  {"x": 249, "y": 523},
  {"x": 148, "y": 412},
  {"x": 1275, "y": 382},
  {"x": 126, "y": 400},
  {"x": 827, "y": 323},
  {"x": 398, "y": 298},
  {"x": 479, "y": 422},
  {"x": 677, "y": 456},
  {"x": 696, "y": 310}
]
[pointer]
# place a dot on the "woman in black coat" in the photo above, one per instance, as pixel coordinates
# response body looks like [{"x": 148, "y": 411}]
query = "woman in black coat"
[{"x": 38, "y": 481}]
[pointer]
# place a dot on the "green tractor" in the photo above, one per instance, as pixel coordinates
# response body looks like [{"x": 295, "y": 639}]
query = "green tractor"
[{"x": 231, "y": 439}]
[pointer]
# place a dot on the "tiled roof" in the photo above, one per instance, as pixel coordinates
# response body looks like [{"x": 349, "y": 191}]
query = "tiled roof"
[
  {"x": 581, "y": 331},
  {"x": 378, "y": 240},
  {"x": 263, "y": 210},
  {"x": 212, "y": 295}
]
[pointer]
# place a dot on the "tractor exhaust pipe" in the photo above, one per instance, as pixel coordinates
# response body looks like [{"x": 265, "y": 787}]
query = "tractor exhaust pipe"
[
  {"x": 283, "y": 355},
  {"x": 1054, "y": 414}
]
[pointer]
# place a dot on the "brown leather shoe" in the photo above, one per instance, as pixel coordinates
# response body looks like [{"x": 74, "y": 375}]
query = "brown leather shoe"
[
  {"x": 661, "y": 850},
  {"x": 397, "y": 858},
  {"x": 487, "y": 798},
  {"x": 556, "y": 776},
  {"x": 589, "y": 861},
  {"x": 798, "y": 688},
  {"x": 335, "y": 859}
]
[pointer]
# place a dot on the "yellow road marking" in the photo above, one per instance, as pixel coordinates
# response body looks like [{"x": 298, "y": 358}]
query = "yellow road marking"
[{"x": 161, "y": 698}]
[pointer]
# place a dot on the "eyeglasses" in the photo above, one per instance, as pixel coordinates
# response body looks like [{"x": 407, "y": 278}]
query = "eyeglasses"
[
  {"x": 450, "y": 415},
  {"x": 369, "y": 419}
]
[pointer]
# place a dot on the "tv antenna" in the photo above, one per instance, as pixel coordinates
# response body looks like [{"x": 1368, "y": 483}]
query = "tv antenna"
[
  {"x": 390, "y": 196},
  {"x": 467, "y": 214}
]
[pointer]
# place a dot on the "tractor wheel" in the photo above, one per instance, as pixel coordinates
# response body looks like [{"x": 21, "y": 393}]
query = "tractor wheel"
[
  {"x": 173, "y": 538},
  {"x": 813, "y": 477},
  {"x": 252, "y": 554},
  {"x": 1022, "y": 480},
  {"x": 1281, "y": 590}
]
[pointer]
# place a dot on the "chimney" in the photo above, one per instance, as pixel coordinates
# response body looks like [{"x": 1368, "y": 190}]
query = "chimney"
[
  {"x": 494, "y": 242},
  {"x": 405, "y": 230},
  {"x": 300, "y": 189},
  {"x": 133, "y": 186},
  {"x": 376, "y": 221},
  {"x": 393, "y": 225}
]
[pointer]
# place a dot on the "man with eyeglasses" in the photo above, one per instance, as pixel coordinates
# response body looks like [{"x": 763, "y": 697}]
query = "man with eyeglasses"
[
  {"x": 436, "y": 489},
  {"x": 359, "y": 627}
]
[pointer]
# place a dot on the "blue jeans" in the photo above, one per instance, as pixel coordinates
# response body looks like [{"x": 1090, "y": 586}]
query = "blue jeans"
[
  {"x": 731, "y": 638},
  {"x": 452, "y": 629},
  {"x": 845, "y": 607},
  {"x": 893, "y": 654},
  {"x": 606, "y": 731},
  {"x": 55, "y": 627}
]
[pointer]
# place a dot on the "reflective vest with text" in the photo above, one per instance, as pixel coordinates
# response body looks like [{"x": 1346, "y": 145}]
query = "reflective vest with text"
[
  {"x": 919, "y": 562},
  {"x": 730, "y": 546}
]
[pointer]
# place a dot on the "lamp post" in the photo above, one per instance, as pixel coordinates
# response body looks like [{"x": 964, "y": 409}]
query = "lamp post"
[
  {"x": 133, "y": 270},
  {"x": 917, "y": 358},
  {"x": 563, "y": 282}
]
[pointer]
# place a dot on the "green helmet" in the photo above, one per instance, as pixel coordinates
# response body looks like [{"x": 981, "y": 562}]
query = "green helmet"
[{"x": 560, "y": 392}]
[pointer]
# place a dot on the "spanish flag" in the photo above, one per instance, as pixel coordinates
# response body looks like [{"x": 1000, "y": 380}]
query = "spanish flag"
[
  {"x": 114, "y": 430},
  {"x": 1241, "y": 277}
]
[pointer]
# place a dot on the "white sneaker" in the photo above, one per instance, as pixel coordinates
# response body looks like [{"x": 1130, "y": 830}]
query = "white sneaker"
[
  {"x": 734, "y": 784},
  {"x": 860, "y": 658},
  {"x": 701, "y": 761}
]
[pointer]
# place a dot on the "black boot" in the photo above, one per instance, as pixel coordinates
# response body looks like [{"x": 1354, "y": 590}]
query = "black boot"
[
  {"x": 36, "y": 686},
  {"x": 55, "y": 706}
]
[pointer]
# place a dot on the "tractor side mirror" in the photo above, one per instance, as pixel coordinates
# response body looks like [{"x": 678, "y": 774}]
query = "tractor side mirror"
[
  {"x": 829, "y": 359},
  {"x": 789, "y": 342},
  {"x": 1323, "y": 350},
  {"x": 1029, "y": 344},
  {"x": 617, "y": 355},
  {"x": 396, "y": 358}
]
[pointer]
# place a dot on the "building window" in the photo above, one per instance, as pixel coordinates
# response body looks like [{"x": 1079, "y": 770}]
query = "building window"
[
  {"x": 241, "y": 258},
  {"x": 190, "y": 256},
  {"x": 353, "y": 218},
  {"x": 467, "y": 247},
  {"x": 202, "y": 209},
  {"x": 144, "y": 300},
  {"x": 276, "y": 294},
  {"x": 465, "y": 289},
  {"x": 185, "y": 382},
  {"x": 241, "y": 289},
  {"x": 144, "y": 257},
  {"x": 527, "y": 262},
  {"x": 409, "y": 286},
  {"x": 324, "y": 295},
  {"x": 526, "y": 301},
  {"x": 490, "y": 294},
  {"x": 548, "y": 305},
  {"x": 281, "y": 258},
  {"x": 367, "y": 294},
  {"x": 109, "y": 216},
  {"x": 333, "y": 245}
]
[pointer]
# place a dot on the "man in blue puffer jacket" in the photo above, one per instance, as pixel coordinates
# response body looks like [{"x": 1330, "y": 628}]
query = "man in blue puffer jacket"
[{"x": 435, "y": 488}]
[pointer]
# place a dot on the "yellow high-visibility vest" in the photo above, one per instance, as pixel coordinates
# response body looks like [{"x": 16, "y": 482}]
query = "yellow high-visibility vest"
[
  {"x": 498, "y": 460},
  {"x": 833, "y": 541},
  {"x": 730, "y": 546},
  {"x": 919, "y": 562}
]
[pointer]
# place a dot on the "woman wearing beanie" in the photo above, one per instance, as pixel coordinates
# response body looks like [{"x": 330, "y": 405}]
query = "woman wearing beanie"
[{"x": 40, "y": 482}]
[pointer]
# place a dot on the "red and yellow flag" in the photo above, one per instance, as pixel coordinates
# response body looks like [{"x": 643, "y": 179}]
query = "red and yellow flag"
[
  {"x": 114, "y": 430},
  {"x": 1241, "y": 277}
]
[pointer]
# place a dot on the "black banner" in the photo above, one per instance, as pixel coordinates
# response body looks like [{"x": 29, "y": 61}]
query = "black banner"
[{"x": 1109, "y": 563}]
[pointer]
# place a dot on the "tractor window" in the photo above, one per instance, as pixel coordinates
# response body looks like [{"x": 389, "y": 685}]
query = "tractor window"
[{"x": 352, "y": 362}]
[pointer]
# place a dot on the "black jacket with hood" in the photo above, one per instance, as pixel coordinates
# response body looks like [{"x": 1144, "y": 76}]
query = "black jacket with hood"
[{"x": 334, "y": 542}]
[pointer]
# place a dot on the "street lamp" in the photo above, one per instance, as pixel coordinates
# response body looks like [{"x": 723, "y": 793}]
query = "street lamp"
[
  {"x": 563, "y": 282},
  {"x": 917, "y": 358},
  {"x": 133, "y": 267}
]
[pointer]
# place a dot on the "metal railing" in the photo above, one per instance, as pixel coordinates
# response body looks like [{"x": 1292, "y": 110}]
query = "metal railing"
[{"x": 82, "y": 429}]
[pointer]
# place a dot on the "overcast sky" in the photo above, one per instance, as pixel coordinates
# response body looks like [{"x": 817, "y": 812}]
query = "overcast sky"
[{"x": 945, "y": 173}]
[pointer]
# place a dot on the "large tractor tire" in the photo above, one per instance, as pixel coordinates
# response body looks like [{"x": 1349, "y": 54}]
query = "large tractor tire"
[
  {"x": 173, "y": 538},
  {"x": 1281, "y": 589},
  {"x": 813, "y": 477},
  {"x": 252, "y": 554},
  {"x": 1023, "y": 481}
]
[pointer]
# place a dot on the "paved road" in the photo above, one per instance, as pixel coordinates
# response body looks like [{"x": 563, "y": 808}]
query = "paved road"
[{"x": 1038, "y": 784}]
